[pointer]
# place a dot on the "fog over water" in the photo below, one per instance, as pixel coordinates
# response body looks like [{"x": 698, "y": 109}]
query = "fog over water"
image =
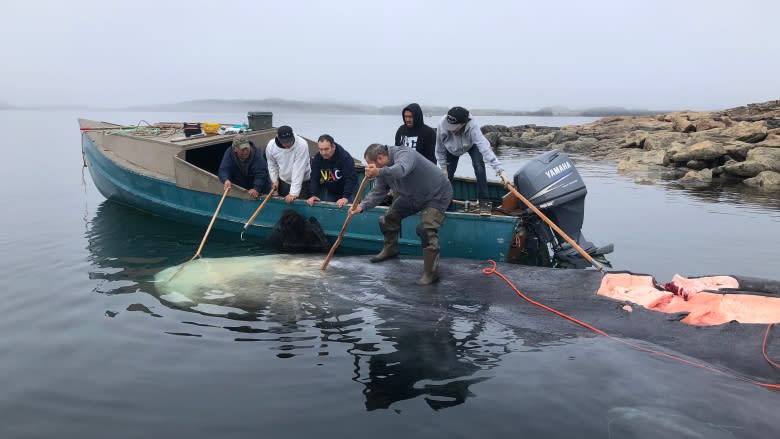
[{"x": 660, "y": 55}]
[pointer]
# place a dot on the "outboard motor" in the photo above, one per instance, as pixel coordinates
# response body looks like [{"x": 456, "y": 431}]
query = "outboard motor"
[{"x": 551, "y": 182}]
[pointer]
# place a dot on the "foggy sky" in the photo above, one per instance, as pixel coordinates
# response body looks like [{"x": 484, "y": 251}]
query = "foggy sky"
[{"x": 519, "y": 55}]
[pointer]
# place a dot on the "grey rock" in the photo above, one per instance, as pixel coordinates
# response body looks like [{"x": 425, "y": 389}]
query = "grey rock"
[
  {"x": 581, "y": 145},
  {"x": 494, "y": 128},
  {"x": 509, "y": 141},
  {"x": 697, "y": 165},
  {"x": 682, "y": 125},
  {"x": 744, "y": 169},
  {"x": 657, "y": 157},
  {"x": 634, "y": 139},
  {"x": 701, "y": 178},
  {"x": 771, "y": 141},
  {"x": 706, "y": 150},
  {"x": 493, "y": 138},
  {"x": 765, "y": 180},
  {"x": 738, "y": 150},
  {"x": 564, "y": 136},
  {"x": 751, "y": 132},
  {"x": 708, "y": 124},
  {"x": 662, "y": 140},
  {"x": 769, "y": 157}
]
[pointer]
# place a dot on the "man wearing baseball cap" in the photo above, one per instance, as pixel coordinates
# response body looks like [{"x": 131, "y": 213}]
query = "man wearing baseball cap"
[
  {"x": 288, "y": 164},
  {"x": 458, "y": 134},
  {"x": 245, "y": 166}
]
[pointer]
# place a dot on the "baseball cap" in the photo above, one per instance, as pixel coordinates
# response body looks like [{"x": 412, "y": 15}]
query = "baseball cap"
[
  {"x": 456, "y": 117},
  {"x": 285, "y": 134},
  {"x": 240, "y": 142}
]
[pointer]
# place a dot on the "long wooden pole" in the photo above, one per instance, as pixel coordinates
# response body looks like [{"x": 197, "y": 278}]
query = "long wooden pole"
[
  {"x": 346, "y": 223},
  {"x": 557, "y": 229},
  {"x": 213, "y": 219},
  {"x": 257, "y": 211}
]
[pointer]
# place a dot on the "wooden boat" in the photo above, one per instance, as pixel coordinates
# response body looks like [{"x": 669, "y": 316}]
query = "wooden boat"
[{"x": 158, "y": 170}]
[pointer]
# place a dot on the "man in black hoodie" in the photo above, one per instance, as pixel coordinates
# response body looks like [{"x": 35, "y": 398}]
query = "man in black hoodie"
[
  {"x": 333, "y": 176},
  {"x": 415, "y": 134}
]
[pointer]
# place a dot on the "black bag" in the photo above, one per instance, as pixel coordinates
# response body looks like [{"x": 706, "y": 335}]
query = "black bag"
[
  {"x": 191, "y": 129},
  {"x": 292, "y": 233}
]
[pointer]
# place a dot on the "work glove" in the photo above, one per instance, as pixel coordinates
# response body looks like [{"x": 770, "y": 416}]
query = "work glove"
[{"x": 504, "y": 177}]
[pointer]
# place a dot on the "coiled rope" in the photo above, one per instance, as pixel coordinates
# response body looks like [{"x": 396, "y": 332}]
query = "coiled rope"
[{"x": 147, "y": 130}]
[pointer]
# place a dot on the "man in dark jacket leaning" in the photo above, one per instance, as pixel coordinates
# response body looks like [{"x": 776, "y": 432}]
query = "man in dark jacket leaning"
[
  {"x": 244, "y": 165},
  {"x": 415, "y": 134},
  {"x": 333, "y": 176},
  {"x": 418, "y": 187}
]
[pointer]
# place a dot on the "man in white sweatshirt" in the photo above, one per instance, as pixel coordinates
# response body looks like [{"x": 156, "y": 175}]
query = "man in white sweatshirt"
[{"x": 289, "y": 164}]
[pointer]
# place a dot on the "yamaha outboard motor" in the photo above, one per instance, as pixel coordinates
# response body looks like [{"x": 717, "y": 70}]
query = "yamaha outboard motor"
[{"x": 551, "y": 182}]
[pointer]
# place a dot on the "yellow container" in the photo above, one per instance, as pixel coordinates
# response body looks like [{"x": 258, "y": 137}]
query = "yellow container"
[{"x": 209, "y": 127}]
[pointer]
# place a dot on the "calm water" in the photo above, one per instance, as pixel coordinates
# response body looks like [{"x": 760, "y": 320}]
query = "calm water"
[{"x": 90, "y": 351}]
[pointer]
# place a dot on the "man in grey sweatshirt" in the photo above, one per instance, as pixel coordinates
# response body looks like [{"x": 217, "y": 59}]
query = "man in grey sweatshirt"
[{"x": 417, "y": 187}]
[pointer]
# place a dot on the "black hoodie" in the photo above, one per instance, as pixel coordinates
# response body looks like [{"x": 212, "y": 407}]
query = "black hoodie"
[{"x": 420, "y": 137}]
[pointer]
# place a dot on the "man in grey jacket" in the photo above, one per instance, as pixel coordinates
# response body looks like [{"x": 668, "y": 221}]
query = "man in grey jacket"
[
  {"x": 458, "y": 135},
  {"x": 418, "y": 187}
]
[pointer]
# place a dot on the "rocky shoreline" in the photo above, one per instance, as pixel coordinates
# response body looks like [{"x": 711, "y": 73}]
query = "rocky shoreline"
[{"x": 740, "y": 145}]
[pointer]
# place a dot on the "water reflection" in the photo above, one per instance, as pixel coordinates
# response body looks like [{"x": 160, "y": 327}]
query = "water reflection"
[
  {"x": 403, "y": 344},
  {"x": 430, "y": 348},
  {"x": 736, "y": 194}
]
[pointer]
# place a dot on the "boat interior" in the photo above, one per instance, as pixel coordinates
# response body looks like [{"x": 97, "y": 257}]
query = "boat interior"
[{"x": 207, "y": 158}]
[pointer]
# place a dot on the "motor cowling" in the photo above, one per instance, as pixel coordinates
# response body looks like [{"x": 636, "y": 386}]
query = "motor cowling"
[{"x": 552, "y": 183}]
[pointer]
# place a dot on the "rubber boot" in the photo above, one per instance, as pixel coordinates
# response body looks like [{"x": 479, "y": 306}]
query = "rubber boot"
[
  {"x": 430, "y": 267},
  {"x": 390, "y": 249}
]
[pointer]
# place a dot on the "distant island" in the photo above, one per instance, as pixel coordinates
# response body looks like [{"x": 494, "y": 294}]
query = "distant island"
[
  {"x": 272, "y": 104},
  {"x": 277, "y": 104}
]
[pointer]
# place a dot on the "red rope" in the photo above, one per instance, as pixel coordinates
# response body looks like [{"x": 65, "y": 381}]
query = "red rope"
[
  {"x": 763, "y": 347},
  {"x": 492, "y": 270}
]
